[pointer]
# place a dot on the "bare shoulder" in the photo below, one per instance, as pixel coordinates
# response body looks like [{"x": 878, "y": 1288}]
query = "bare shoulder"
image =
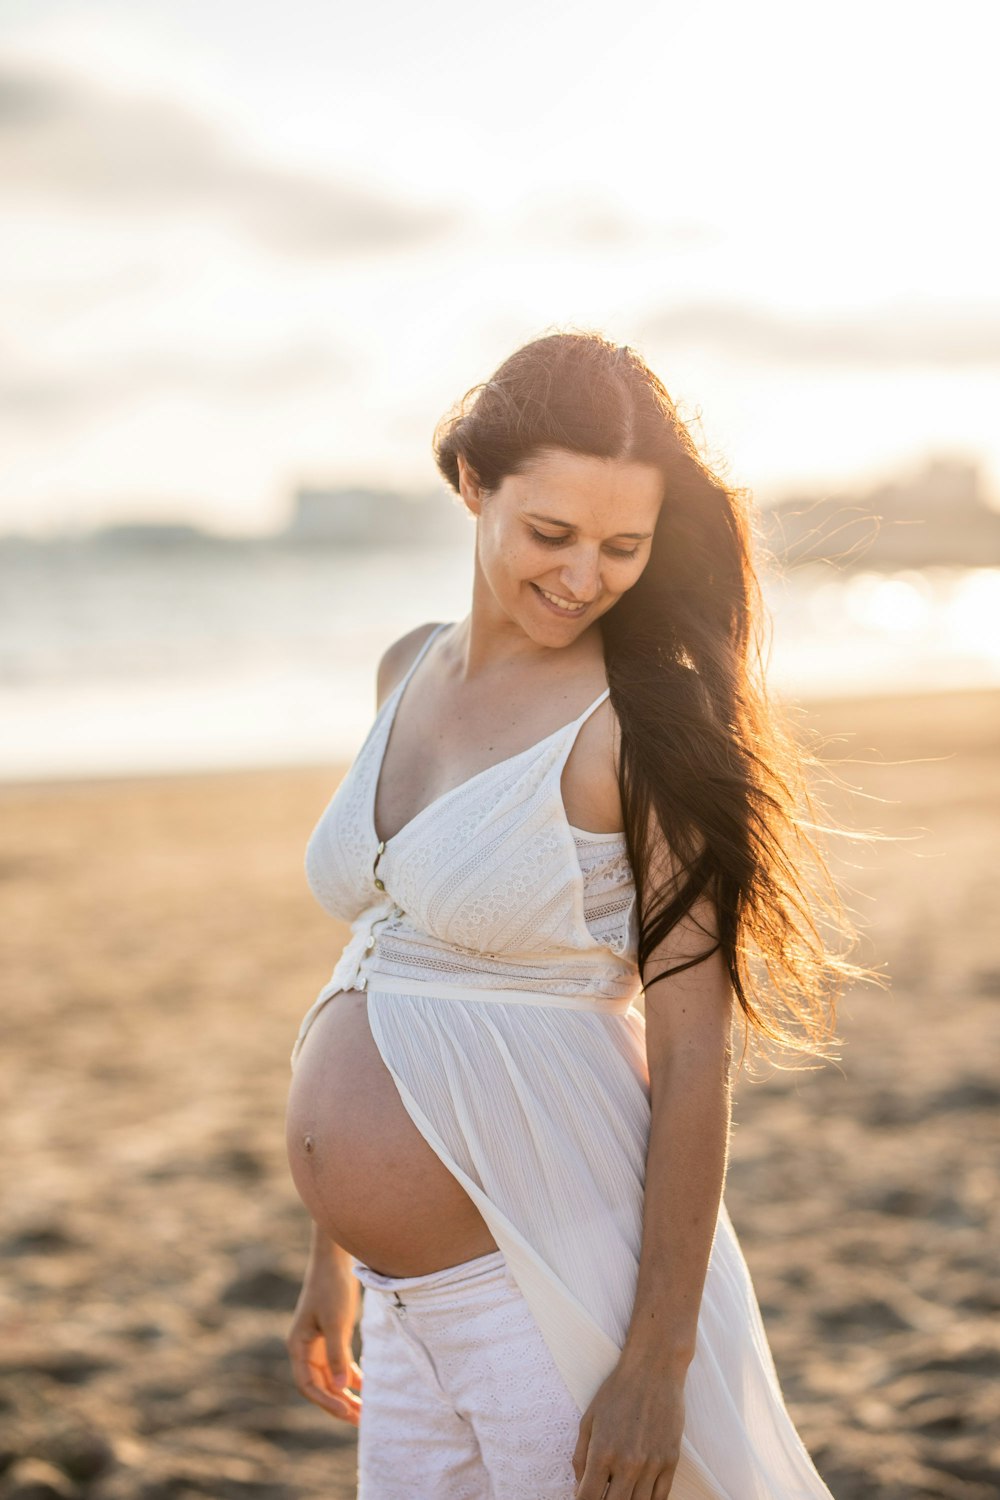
[{"x": 398, "y": 659}]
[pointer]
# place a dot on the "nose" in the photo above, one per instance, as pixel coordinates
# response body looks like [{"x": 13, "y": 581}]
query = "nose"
[{"x": 580, "y": 574}]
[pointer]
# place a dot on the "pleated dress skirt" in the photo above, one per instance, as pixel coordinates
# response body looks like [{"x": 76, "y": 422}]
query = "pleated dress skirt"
[{"x": 539, "y": 1106}]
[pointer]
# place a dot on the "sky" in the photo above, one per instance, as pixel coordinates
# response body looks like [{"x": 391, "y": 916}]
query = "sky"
[{"x": 248, "y": 246}]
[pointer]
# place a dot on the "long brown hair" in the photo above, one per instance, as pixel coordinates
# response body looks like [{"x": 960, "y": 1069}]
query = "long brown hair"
[{"x": 704, "y": 752}]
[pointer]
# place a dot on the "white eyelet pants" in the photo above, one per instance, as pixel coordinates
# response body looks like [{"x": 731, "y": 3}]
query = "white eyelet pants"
[{"x": 461, "y": 1397}]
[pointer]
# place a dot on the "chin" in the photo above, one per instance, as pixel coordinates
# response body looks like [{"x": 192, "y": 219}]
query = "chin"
[{"x": 555, "y": 632}]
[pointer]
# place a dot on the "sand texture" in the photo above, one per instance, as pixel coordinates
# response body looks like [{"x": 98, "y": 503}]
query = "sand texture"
[{"x": 159, "y": 949}]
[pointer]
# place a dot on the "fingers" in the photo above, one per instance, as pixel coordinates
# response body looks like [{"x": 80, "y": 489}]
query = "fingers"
[
  {"x": 592, "y": 1473},
  {"x": 601, "y": 1475},
  {"x": 649, "y": 1487},
  {"x": 326, "y": 1386},
  {"x": 599, "y": 1482},
  {"x": 611, "y": 1464},
  {"x": 330, "y": 1389},
  {"x": 595, "y": 1478},
  {"x": 582, "y": 1444},
  {"x": 335, "y": 1355}
]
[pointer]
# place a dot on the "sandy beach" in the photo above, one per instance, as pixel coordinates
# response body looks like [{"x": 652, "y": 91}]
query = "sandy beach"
[{"x": 159, "y": 949}]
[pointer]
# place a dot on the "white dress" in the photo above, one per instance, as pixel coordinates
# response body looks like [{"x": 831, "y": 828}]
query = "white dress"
[{"x": 497, "y": 946}]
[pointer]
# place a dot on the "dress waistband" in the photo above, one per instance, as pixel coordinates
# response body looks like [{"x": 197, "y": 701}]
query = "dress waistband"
[
  {"x": 392, "y": 984},
  {"x": 486, "y": 1267}
]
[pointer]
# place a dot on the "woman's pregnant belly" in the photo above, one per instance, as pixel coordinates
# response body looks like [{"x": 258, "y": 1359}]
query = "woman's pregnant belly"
[{"x": 360, "y": 1165}]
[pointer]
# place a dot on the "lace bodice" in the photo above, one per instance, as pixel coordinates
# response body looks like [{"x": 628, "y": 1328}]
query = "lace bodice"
[{"x": 489, "y": 885}]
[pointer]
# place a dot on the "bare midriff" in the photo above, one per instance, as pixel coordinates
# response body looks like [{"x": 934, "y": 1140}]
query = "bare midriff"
[{"x": 365, "y": 1173}]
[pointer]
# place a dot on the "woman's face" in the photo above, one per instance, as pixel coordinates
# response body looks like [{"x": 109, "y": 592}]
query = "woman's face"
[{"x": 558, "y": 545}]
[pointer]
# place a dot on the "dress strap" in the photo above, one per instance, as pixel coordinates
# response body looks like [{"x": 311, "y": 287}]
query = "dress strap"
[
  {"x": 578, "y": 723},
  {"x": 414, "y": 664},
  {"x": 572, "y": 730}
]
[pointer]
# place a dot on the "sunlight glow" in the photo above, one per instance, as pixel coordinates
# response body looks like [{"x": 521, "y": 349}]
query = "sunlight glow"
[
  {"x": 321, "y": 245},
  {"x": 972, "y": 617},
  {"x": 899, "y": 605}
]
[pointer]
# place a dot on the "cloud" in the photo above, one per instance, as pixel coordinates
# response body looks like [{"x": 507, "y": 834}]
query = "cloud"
[
  {"x": 568, "y": 217},
  {"x": 916, "y": 334},
  {"x": 65, "y": 139},
  {"x": 34, "y": 397}
]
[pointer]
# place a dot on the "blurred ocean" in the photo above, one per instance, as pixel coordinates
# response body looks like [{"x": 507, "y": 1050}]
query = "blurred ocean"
[{"x": 146, "y": 659}]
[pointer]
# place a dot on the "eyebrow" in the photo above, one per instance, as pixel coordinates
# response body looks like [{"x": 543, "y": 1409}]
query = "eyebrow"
[{"x": 632, "y": 536}]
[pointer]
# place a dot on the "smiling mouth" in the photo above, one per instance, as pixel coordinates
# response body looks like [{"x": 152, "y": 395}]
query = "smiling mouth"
[{"x": 563, "y": 605}]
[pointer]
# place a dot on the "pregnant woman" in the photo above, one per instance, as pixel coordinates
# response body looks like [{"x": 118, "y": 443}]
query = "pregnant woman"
[{"x": 575, "y": 799}]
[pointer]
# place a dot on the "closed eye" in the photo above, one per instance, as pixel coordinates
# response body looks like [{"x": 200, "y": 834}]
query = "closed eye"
[{"x": 560, "y": 541}]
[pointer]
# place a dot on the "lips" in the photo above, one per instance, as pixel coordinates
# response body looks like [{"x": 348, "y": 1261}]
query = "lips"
[{"x": 562, "y": 605}]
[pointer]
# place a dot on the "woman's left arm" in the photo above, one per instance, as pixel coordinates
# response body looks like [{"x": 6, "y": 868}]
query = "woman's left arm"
[{"x": 631, "y": 1432}]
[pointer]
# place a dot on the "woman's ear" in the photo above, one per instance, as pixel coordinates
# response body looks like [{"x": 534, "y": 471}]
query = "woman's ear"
[{"x": 469, "y": 486}]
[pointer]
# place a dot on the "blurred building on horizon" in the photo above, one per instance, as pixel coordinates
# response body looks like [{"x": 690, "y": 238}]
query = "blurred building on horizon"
[
  {"x": 372, "y": 518},
  {"x": 938, "y": 516}
]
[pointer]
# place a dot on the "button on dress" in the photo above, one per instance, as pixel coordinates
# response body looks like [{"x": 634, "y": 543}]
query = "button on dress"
[{"x": 497, "y": 945}]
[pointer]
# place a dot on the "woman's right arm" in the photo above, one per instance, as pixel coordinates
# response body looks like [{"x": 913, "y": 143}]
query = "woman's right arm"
[{"x": 320, "y": 1339}]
